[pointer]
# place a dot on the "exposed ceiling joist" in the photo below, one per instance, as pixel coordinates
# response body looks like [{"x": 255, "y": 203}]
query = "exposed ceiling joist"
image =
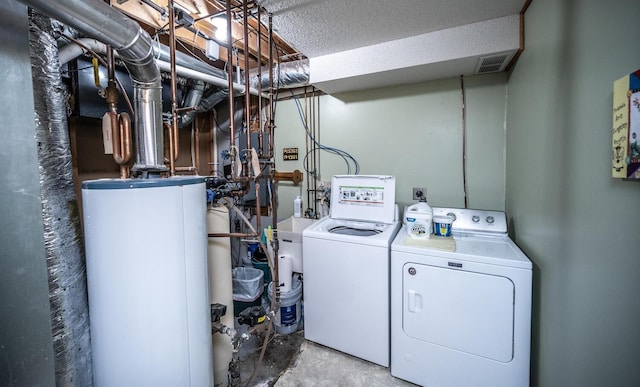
[{"x": 199, "y": 28}]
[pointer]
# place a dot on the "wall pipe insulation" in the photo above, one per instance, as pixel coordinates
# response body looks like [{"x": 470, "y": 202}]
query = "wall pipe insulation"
[
  {"x": 98, "y": 20},
  {"x": 63, "y": 239}
]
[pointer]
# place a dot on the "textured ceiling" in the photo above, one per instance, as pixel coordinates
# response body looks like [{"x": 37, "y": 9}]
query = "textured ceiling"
[{"x": 322, "y": 27}]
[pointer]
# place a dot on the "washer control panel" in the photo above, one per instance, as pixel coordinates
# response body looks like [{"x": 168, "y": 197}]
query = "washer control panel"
[{"x": 471, "y": 220}]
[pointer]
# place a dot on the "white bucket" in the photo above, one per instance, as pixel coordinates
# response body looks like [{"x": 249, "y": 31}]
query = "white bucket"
[{"x": 288, "y": 315}]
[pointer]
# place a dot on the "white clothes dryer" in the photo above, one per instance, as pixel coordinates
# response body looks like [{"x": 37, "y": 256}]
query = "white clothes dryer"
[
  {"x": 346, "y": 268},
  {"x": 461, "y": 306}
]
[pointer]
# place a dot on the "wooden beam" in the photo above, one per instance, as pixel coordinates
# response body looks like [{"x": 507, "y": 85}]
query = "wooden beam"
[{"x": 200, "y": 10}]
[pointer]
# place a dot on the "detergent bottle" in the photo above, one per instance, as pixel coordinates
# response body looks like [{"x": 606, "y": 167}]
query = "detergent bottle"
[{"x": 418, "y": 219}]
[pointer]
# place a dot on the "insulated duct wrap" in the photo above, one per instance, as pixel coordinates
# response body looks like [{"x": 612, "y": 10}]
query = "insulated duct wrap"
[
  {"x": 285, "y": 75},
  {"x": 224, "y": 122},
  {"x": 63, "y": 240},
  {"x": 212, "y": 99}
]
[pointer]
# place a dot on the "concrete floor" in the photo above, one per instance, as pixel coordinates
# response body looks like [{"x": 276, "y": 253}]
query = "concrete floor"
[{"x": 292, "y": 361}]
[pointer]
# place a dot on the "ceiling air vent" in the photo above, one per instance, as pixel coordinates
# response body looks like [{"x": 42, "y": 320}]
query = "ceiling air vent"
[{"x": 493, "y": 63}]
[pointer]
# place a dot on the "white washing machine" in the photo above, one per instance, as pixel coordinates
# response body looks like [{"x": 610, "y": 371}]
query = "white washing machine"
[
  {"x": 461, "y": 306},
  {"x": 346, "y": 268}
]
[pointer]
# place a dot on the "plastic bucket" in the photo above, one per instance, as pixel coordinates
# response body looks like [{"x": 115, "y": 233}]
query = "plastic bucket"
[
  {"x": 289, "y": 313},
  {"x": 442, "y": 225}
]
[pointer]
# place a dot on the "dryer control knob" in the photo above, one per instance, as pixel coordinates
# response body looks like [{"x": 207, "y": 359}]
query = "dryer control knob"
[
  {"x": 412, "y": 270},
  {"x": 452, "y": 215},
  {"x": 490, "y": 219},
  {"x": 475, "y": 218}
]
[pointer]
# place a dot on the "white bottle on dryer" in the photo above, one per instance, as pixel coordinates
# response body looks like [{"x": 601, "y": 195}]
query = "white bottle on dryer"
[{"x": 419, "y": 220}]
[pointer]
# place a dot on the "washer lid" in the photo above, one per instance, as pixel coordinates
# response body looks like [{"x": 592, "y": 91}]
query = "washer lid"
[
  {"x": 363, "y": 197},
  {"x": 368, "y": 233}
]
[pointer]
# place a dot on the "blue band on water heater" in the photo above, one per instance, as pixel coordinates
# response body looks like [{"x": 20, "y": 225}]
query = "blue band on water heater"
[{"x": 105, "y": 184}]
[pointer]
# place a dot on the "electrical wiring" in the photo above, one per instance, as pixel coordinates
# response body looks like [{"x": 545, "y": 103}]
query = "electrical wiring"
[{"x": 339, "y": 152}]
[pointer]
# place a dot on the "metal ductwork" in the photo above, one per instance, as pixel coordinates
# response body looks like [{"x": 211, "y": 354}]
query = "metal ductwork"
[
  {"x": 285, "y": 75},
  {"x": 192, "y": 99},
  {"x": 210, "y": 100},
  {"x": 98, "y": 20}
]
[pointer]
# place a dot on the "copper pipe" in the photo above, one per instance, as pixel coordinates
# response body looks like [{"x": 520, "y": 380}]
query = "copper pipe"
[
  {"x": 173, "y": 143},
  {"x": 233, "y": 234},
  {"x": 196, "y": 141},
  {"x": 121, "y": 135},
  {"x": 296, "y": 176},
  {"x": 311, "y": 195},
  {"x": 176, "y": 139},
  {"x": 120, "y": 124},
  {"x": 255, "y": 232},
  {"x": 258, "y": 207},
  {"x": 271, "y": 102},
  {"x": 213, "y": 155},
  {"x": 174, "y": 104},
  {"x": 232, "y": 126},
  {"x": 259, "y": 46},
  {"x": 186, "y": 109},
  {"x": 187, "y": 169},
  {"x": 247, "y": 95}
]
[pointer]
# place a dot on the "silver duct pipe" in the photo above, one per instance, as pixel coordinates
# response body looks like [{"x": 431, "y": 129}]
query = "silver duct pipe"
[
  {"x": 98, "y": 20},
  {"x": 71, "y": 51},
  {"x": 161, "y": 52},
  {"x": 186, "y": 66},
  {"x": 192, "y": 99},
  {"x": 212, "y": 99},
  {"x": 224, "y": 121},
  {"x": 63, "y": 239},
  {"x": 285, "y": 75}
]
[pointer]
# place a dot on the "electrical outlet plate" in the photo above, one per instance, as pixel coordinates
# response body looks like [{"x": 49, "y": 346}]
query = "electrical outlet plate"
[{"x": 419, "y": 192}]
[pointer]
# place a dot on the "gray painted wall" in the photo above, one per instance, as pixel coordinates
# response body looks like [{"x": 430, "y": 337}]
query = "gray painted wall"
[
  {"x": 578, "y": 225},
  {"x": 26, "y": 347},
  {"x": 413, "y": 132}
]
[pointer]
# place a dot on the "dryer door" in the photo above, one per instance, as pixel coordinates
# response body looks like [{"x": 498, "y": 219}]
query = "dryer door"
[{"x": 461, "y": 310}]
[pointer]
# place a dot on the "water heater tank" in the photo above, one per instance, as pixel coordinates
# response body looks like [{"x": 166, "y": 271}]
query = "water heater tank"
[{"x": 146, "y": 248}]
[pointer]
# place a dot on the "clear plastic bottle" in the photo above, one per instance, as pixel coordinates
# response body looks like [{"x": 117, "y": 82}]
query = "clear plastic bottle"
[{"x": 297, "y": 207}]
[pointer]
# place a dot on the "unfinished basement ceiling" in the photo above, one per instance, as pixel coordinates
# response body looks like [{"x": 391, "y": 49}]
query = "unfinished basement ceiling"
[{"x": 362, "y": 44}]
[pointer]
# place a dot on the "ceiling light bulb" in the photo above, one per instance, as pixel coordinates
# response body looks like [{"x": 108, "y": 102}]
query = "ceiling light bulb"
[{"x": 221, "y": 28}]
